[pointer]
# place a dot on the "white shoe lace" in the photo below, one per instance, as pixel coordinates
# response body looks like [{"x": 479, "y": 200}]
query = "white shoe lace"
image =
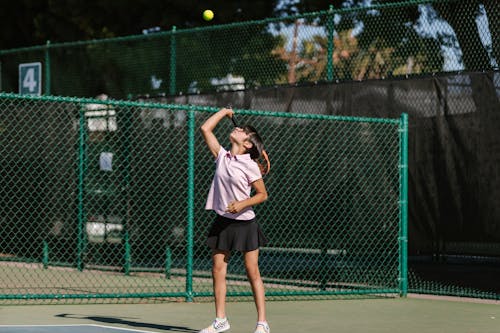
[
  {"x": 262, "y": 328},
  {"x": 217, "y": 326}
]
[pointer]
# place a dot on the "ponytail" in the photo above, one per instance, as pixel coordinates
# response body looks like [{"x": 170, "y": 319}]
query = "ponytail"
[
  {"x": 257, "y": 152},
  {"x": 264, "y": 163}
]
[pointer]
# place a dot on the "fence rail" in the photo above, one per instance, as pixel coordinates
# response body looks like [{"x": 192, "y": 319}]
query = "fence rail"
[{"x": 104, "y": 200}]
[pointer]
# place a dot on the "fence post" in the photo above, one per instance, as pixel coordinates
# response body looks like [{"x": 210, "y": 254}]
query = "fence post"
[
  {"x": 45, "y": 257},
  {"x": 81, "y": 178},
  {"x": 329, "y": 59},
  {"x": 126, "y": 257},
  {"x": 168, "y": 261},
  {"x": 190, "y": 207},
  {"x": 47, "y": 68},
  {"x": 173, "y": 55},
  {"x": 403, "y": 205}
]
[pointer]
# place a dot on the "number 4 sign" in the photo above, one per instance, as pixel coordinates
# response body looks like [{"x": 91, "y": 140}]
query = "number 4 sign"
[{"x": 30, "y": 79}]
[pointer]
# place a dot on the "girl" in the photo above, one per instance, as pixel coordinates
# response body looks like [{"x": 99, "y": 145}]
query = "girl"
[{"x": 235, "y": 228}]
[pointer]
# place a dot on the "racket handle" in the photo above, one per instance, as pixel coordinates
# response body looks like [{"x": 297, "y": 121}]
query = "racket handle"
[
  {"x": 230, "y": 106},
  {"x": 234, "y": 121}
]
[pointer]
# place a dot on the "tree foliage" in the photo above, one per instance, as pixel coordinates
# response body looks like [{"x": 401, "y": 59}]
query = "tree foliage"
[
  {"x": 33, "y": 22},
  {"x": 460, "y": 15},
  {"x": 366, "y": 43}
]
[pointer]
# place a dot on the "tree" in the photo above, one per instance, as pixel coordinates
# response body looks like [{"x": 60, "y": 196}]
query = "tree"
[
  {"x": 369, "y": 55},
  {"x": 309, "y": 63},
  {"x": 461, "y": 16},
  {"x": 33, "y": 22},
  {"x": 388, "y": 35},
  {"x": 119, "y": 68},
  {"x": 493, "y": 13}
]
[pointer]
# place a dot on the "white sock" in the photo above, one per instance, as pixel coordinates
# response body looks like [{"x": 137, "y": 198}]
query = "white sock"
[{"x": 220, "y": 319}]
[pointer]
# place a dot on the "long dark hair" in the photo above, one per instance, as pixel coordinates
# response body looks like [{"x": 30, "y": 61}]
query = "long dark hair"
[{"x": 257, "y": 152}]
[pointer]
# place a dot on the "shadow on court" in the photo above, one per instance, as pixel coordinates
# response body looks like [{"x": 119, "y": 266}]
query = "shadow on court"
[{"x": 127, "y": 322}]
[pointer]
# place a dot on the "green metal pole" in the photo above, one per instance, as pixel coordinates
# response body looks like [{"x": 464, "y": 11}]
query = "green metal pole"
[
  {"x": 47, "y": 68},
  {"x": 45, "y": 258},
  {"x": 81, "y": 177},
  {"x": 190, "y": 204},
  {"x": 403, "y": 206},
  {"x": 173, "y": 64},
  {"x": 126, "y": 184},
  {"x": 168, "y": 262},
  {"x": 330, "y": 28},
  {"x": 126, "y": 259}
]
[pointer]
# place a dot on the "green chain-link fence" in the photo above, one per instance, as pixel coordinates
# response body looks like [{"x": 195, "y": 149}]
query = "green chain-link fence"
[
  {"x": 105, "y": 201},
  {"x": 351, "y": 43}
]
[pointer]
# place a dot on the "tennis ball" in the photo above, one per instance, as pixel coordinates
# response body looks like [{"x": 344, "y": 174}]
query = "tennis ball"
[{"x": 208, "y": 15}]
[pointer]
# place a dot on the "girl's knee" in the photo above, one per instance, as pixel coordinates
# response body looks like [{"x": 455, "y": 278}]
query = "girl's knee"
[
  {"x": 253, "y": 273},
  {"x": 219, "y": 269}
]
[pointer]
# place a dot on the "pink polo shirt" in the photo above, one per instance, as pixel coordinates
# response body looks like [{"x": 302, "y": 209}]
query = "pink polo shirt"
[{"x": 232, "y": 181}]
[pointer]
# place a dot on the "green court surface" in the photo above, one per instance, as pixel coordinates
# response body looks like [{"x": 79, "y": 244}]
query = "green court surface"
[{"x": 409, "y": 315}]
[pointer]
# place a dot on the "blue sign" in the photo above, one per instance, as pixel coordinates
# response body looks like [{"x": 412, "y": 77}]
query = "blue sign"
[{"x": 30, "y": 79}]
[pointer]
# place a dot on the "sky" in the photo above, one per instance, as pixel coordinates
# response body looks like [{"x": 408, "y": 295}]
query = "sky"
[{"x": 430, "y": 24}]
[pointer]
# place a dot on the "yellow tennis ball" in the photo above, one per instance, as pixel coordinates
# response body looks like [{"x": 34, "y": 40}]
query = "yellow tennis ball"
[{"x": 208, "y": 15}]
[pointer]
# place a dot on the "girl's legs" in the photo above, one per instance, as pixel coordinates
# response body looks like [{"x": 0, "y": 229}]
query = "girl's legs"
[
  {"x": 220, "y": 260},
  {"x": 253, "y": 274},
  {"x": 219, "y": 269}
]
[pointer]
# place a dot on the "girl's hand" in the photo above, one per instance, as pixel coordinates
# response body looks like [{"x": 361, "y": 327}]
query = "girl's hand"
[
  {"x": 235, "y": 207},
  {"x": 229, "y": 112}
]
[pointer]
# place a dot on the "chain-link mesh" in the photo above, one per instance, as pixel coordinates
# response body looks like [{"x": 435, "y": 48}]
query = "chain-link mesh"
[
  {"x": 105, "y": 200},
  {"x": 350, "y": 43},
  {"x": 332, "y": 217},
  {"x": 454, "y": 244}
]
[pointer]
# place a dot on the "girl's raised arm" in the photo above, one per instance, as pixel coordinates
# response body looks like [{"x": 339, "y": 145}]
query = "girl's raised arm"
[{"x": 208, "y": 127}]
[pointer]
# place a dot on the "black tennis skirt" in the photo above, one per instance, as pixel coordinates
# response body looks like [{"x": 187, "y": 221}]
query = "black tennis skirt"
[{"x": 242, "y": 235}]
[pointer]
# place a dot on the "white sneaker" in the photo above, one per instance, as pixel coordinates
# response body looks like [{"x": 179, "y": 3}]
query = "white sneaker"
[
  {"x": 217, "y": 326},
  {"x": 262, "y": 328}
]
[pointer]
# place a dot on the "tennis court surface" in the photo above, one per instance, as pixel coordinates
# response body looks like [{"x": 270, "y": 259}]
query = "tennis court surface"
[
  {"x": 65, "y": 328},
  {"x": 409, "y": 315}
]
